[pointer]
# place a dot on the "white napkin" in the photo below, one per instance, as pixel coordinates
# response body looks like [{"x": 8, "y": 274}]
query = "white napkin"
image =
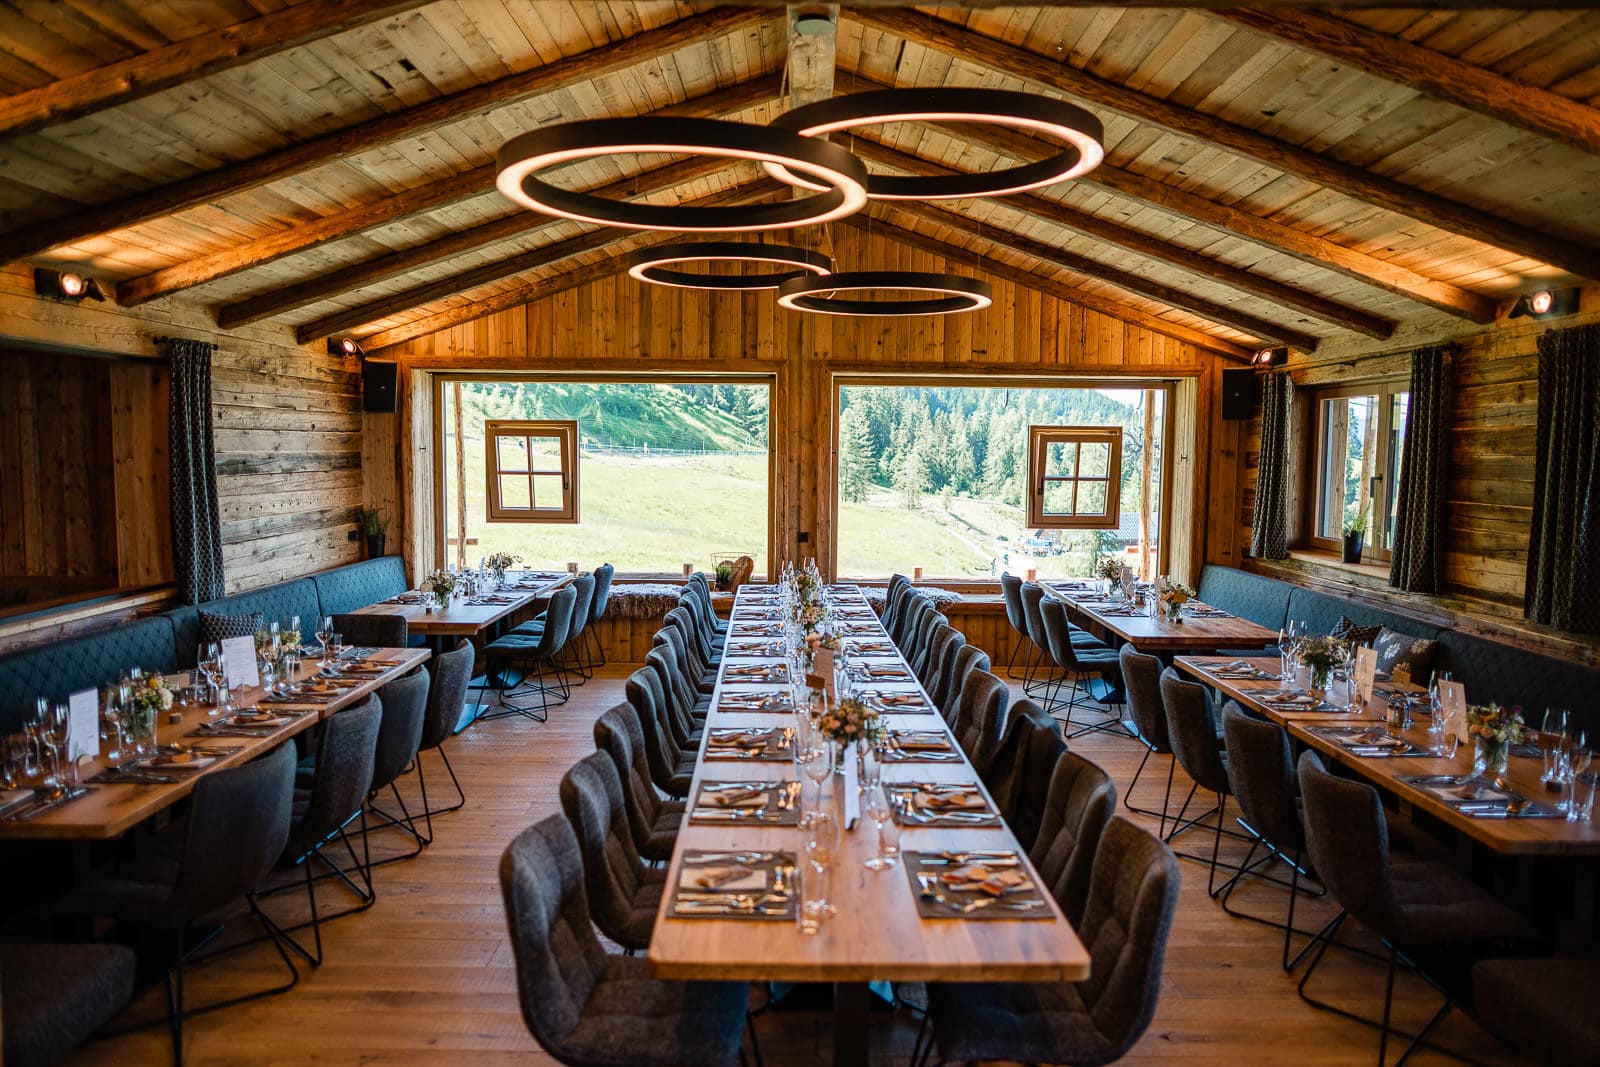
[{"x": 690, "y": 877}]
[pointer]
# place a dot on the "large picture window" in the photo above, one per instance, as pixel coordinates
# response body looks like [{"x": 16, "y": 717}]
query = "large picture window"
[
  {"x": 1360, "y": 438},
  {"x": 647, "y": 475},
  {"x": 946, "y": 478}
]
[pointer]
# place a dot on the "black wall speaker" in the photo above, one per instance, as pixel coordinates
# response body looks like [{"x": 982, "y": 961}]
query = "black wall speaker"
[
  {"x": 377, "y": 385},
  {"x": 1238, "y": 393}
]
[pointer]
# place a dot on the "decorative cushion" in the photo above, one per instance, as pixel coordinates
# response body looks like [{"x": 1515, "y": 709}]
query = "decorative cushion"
[
  {"x": 1346, "y": 630},
  {"x": 1396, "y": 649},
  {"x": 215, "y": 626}
]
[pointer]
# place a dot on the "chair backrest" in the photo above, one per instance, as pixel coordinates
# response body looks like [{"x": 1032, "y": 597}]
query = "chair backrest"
[
  {"x": 1141, "y": 679},
  {"x": 404, "y": 702},
  {"x": 1019, "y": 775},
  {"x": 345, "y": 758},
  {"x": 1032, "y": 594},
  {"x": 1011, "y": 594},
  {"x": 679, "y": 665},
  {"x": 602, "y": 592},
  {"x": 450, "y": 673},
  {"x": 905, "y": 628},
  {"x": 661, "y": 751},
  {"x": 619, "y": 734},
  {"x": 378, "y": 631},
  {"x": 238, "y": 826},
  {"x": 980, "y": 716},
  {"x": 1261, "y": 770},
  {"x": 1133, "y": 894},
  {"x": 559, "y": 959},
  {"x": 1057, "y": 633},
  {"x": 558, "y": 621},
  {"x": 1077, "y": 807},
  {"x": 1192, "y": 732},
  {"x": 942, "y": 665},
  {"x": 940, "y": 636},
  {"x": 894, "y": 600},
  {"x": 1348, "y": 839},
  {"x": 969, "y": 658},
  {"x": 679, "y": 718},
  {"x": 583, "y": 598},
  {"x": 688, "y": 618},
  {"x": 591, "y": 795}
]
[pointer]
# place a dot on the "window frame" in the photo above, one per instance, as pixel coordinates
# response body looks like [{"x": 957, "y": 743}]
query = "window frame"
[
  {"x": 1383, "y": 390},
  {"x": 1040, "y": 438},
  {"x": 494, "y": 507}
]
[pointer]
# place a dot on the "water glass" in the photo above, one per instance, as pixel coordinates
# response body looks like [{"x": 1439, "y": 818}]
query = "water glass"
[
  {"x": 822, "y": 848},
  {"x": 1576, "y": 763},
  {"x": 1552, "y": 729},
  {"x": 818, "y": 767},
  {"x": 875, "y": 805},
  {"x": 1582, "y": 806}
]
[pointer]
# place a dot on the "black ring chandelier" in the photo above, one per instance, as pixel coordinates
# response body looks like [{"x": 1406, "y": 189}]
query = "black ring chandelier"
[
  {"x": 1038, "y": 114},
  {"x": 951, "y": 293},
  {"x": 657, "y": 265},
  {"x": 837, "y": 178}
]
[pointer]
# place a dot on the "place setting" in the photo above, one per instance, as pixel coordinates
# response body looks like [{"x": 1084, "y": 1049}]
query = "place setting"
[
  {"x": 760, "y": 743},
  {"x": 750, "y": 701},
  {"x": 1483, "y": 796},
  {"x": 756, "y": 672},
  {"x": 892, "y": 701},
  {"x": 1371, "y": 741},
  {"x": 918, "y": 746},
  {"x": 735, "y": 885},
  {"x": 740, "y": 648},
  {"x": 1297, "y": 700},
  {"x": 940, "y": 804},
  {"x": 880, "y": 671},
  {"x": 167, "y": 766},
  {"x": 1239, "y": 670},
  {"x": 974, "y": 884},
  {"x": 763, "y": 803}
]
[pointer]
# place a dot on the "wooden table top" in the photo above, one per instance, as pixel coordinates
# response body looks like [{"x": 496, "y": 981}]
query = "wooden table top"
[
  {"x": 1155, "y": 634},
  {"x": 1520, "y": 837},
  {"x": 462, "y": 619},
  {"x": 112, "y": 809},
  {"x": 877, "y": 933}
]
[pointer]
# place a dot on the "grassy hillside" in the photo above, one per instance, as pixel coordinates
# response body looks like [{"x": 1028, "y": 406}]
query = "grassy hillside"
[{"x": 625, "y": 414}]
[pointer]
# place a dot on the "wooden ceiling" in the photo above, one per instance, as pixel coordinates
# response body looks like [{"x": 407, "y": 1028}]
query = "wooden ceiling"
[{"x": 1281, "y": 175}]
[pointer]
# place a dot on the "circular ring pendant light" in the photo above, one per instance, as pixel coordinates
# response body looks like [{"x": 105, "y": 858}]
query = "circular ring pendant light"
[
  {"x": 1036, "y": 114},
  {"x": 658, "y": 265},
  {"x": 949, "y": 293},
  {"x": 838, "y": 178}
]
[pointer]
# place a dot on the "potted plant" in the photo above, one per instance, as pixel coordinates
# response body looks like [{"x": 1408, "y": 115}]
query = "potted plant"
[
  {"x": 724, "y": 574},
  {"x": 1355, "y": 534},
  {"x": 374, "y": 526}
]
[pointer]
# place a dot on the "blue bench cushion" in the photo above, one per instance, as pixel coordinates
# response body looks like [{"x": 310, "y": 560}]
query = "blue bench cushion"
[
  {"x": 297, "y": 597},
  {"x": 347, "y": 589},
  {"x": 1264, "y": 601},
  {"x": 63, "y": 667},
  {"x": 1506, "y": 674}
]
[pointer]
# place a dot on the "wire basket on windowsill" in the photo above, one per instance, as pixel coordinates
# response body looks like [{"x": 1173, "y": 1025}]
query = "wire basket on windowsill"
[{"x": 718, "y": 559}]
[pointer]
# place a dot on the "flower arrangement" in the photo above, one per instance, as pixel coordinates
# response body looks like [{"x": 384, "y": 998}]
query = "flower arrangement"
[
  {"x": 808, "y": 615},
  {"x": 1321, "y": 655},
  {"x": 848, "y": 721},
  {"x": 1493, "y": 730},
  {"x": 817, "y": 639},
  {"x": 1173, "y": 596},
  {"x": 1109, "y": 568},
  {"x": 443, "y": 584},
  {"x": 150, "y": 695},
  {"x": 501, "y": 562}
]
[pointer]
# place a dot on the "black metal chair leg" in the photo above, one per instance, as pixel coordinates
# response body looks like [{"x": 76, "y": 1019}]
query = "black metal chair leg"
[{"x": 175, "y": 1003}]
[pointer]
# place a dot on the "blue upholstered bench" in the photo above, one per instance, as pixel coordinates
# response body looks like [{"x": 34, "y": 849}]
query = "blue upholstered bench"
[
  {"x": 349, "y": 588},
  {"x": 1264, "y": 601},
  {"x": 295, "y": 597}
]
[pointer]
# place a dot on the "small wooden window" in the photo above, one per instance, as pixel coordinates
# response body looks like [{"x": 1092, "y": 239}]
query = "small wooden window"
[
  {"x": 1074, "y": 477},
  {"x": 533, "y": 471}
]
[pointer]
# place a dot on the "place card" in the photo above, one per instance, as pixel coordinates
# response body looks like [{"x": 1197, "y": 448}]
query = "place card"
[
  {"x": 83, "y": 725},
  {"x": 979, "y": 884},
  {"x": 1453, "y": 699},
  {"x": 821, "y": 676},
  {"x": 1366, "y": 672},
  {"x": 240, "y": 653},
  {"x": 735, "y": 885}
]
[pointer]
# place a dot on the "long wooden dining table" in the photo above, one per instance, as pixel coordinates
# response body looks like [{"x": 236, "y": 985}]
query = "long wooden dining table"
[
  {"x": 878, "y": 932},
  {"x": 1202, "y": 628},
  {"x": 464, "y": 617},
  {"x": 111, "y": 808},
  {"x": 1506, "y": 835}
]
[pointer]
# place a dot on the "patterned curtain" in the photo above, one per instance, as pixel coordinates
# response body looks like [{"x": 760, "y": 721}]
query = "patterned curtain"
[
  {"x": 1419, "y": 523},
  {"x": 1269, "y": 524},
  {"x": 1564, "y": 548},
  {"x": 196, "y": 516}
]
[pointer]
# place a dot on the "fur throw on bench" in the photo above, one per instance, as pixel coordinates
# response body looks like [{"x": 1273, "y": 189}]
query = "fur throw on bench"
[
  {"x": 942, "y": 598},
  {"x": 646, "y": 600}
]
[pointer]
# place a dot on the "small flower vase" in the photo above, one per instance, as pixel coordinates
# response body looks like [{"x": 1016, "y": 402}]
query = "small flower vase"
[
  {"x": 1318, "y": 681},
  {"x": 1174, "y": 612},
  {"x": 1489, "y": 756}
]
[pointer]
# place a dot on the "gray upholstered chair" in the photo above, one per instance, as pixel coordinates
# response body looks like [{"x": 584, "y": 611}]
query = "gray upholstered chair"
[
  {"x": 941, "y": 645},
  {"x": 655, "y": 822},
  {"x": 1092, "y": 672},
  {"x": 922, "y": 640},
  {"x": 969, "y": 658},
  {"x": 980, "y": 716},
  {"x": 624, "y": 893},
  {"x": 697, "y": 681},
  {"x": 671, "y": 769},
  {"x": 54, "y": 997},
  {"x": 450, "y": 674},
  {"x": 943, "y": 670},
  {"x": 708, "y": 639},
  {"x": 585, "y": 1006},
  {"x": 571, "y": 658},
  {"x": 1141, "y": 684},
  {"x": 375, "y": 631},
  {"x": 532, "y": 655},
  {"x": 1543, "y": 1008},
  {"x": 1018, "y": 776},
  {"x": 597, "y": 611},
  {"x": 1080, "y": 803},
  {"x": 1133, "y": 893},
  {"x": 702, "y": 661},
  {"x": 1198, "y": 750},
  {"x": 910, "y": 618},
  {"x": 1416, "y": 906},
  {"x": 237, "y": 824},
  {"x": 686, "y": 725},
  {"x": 405, "y": 704},
  {"x": 1011, "y": 593},
  {"x": 894, "y": 595},
  {"x": 1036, "y": 684}
]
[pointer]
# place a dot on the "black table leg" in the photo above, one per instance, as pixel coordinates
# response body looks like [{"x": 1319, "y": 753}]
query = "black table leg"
[{"x": 850, "y": 1000}]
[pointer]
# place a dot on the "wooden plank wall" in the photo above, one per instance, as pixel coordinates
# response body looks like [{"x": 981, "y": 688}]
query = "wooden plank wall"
[
  {"x": 620, "y": 325},
  {"x": 287, "y": 423},
  {"x": 1493, "y": 413}
]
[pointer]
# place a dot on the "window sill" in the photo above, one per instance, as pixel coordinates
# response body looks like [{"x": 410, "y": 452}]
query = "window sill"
[{"x": 1335, "y": 561}]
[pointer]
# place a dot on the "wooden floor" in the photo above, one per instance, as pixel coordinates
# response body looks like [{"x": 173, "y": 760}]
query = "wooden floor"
[{"x": 425, "y": 976}]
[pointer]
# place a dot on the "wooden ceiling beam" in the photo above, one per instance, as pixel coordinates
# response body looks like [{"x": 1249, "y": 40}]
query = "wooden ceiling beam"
[
  {"x": 1088, "y": 268},
  {"x": 521, "y": 223},
  {"x": 457, "y": 187},
  {"x": 961, "y": 43},
  {"x": 364, "y": 136},
  {"x": 1049, "y": 286},
  {"x": 187, "y": 60},
  {"x": 1431, "y": 73},
  {"x": 1113, "y": 233},
  {"x": 373, "y": 310},
  {"x": 1216, "y": 5}
]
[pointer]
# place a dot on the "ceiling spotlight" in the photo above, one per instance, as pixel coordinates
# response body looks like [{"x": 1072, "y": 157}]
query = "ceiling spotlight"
[
  {"x": 1270, "y": 357},
  {"x": 344, "y": 346},
  {"x": 66, "y": 285},
  {"x": 1546, "y": 304}
]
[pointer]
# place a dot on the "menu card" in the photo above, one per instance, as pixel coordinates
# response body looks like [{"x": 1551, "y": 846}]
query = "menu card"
[
  {"x": 83, "y": 725},
  {"x": 1453, "y": 699},
  {"x": 1366, "y": 672},
  {"x": 821, "y": 676},
  {"x": 240, "y": 653}
]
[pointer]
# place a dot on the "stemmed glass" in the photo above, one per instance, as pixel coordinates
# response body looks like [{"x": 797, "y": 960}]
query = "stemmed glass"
[
  {"x": 324, "y": 633},
  {"x": 56, "y": 723},
  {"x": 1285, "y": 654},
  {"x": 875, "y": 804},
  {"x": 818, "y": 766},
  {"x": 1577, "y": 762},
  {"x": 1552, "y": 733}
]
